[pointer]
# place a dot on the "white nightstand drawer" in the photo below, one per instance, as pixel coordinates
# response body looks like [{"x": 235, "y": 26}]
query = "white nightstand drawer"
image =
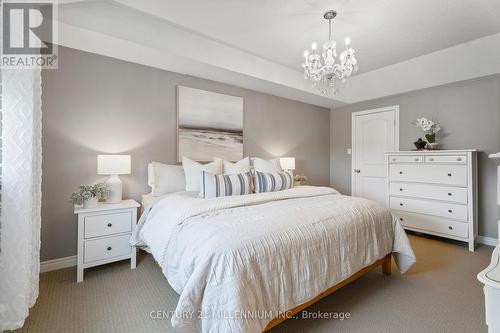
[
  {"x": 106, "y": 248},
  {"x": 108, "y": 224},
  {"x": 405, "y": 159},
  {"x": 434, "y": 224},
  {"x": 443, "y": 209}
]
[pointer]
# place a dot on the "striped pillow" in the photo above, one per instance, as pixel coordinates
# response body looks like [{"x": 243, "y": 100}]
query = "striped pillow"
[
  {"x": 272, "y": 182},
  {"x": 225, "y": 185}
]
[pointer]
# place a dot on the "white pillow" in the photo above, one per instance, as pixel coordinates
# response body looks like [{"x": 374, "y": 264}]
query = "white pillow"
[
  {"x": 193, "y": 169},
  {"x": 165, "y": 178},
  {"x": 241, "y": 166},
  {"x": 271, "y": 166}
]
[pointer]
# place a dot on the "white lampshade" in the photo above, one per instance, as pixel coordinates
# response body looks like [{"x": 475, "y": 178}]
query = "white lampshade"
[
  {"x": 113, "y": 164},
  {"x": 287, "y": 163}
]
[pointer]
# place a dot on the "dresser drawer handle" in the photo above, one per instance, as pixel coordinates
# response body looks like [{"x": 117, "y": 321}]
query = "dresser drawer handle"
[
  {"x": 109, "y": 248},
  {"x": 400, "y": 172},
  {"x": 450, "y": 211},
  {"x": 416, "y": 159},
  {"x": 401, "y": 189},
  {"x": 431, "y": 159},
  {"x": 401, "y": 204},
  {"x": 451, "y": 228},
  {"x": 450, "y": 194},
  {"x": 449, "y": 175},
  {"x": 459, "y": 159},
  {"x": 394, "y": 160},
  {"x": 110, "y": 225}
]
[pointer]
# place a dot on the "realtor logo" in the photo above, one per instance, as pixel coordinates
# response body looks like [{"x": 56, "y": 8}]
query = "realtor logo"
[{"x": 28, "y": 32}]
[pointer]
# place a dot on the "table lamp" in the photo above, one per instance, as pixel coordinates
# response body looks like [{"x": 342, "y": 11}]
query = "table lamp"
[
  {"x": 113, "y": 165},
  {"x": 287, "y": 163}
]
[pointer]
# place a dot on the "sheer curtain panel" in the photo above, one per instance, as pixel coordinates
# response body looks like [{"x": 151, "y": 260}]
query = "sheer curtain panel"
[{"x": 21, "y": 168}]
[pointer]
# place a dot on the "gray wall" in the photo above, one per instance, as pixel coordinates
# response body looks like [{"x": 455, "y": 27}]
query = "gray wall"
[
  {"x": 469, "y": 113},
  {"x": 94, "y": 104}
]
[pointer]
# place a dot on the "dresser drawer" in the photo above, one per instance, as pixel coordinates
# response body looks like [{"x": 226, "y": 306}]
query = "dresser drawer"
[
  {"x": 455, "y": 159},
  {"x": 427, "y": 173},
  {"x": 106, "y": 248},
  {"x": 443, "y": 209},
  {"x": 405, "y": 159},
  {"x": 433, "y": 224},
  {"x": 108, "y": 224},
  {"x": 434, "y": 192}
]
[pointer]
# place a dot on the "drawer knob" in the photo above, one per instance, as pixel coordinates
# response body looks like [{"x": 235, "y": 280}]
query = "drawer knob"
[
  {"x": 416, "y": 159},
  {"x": 109, "y": 248},
  {"x": 449, "y": 175},
  {"x": 431, "y": 159},
  {"x": 451, "y": 228},
  {"x": 394, "y": 160},
  {"x": 400, "y": 172},
  {"x": 450, "y": 194},
  {"x": 110, "y": 225},
  {"x": 450, "y": 211},
  {"x": 401, "y": 204},
  {"x": 459, "y": 159},
  {"x": 401, "y": 189}
]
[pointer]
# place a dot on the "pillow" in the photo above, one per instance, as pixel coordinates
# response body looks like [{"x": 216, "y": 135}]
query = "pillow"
[
  {"x": 165, "y": 178},
  {"x": 225, "y": 185},
  {"x": 272, "y": 182},
  {"x": 270, "y": 166},
  {"x": 241, "y": 166},
  {"x": 192, "y": 171}
]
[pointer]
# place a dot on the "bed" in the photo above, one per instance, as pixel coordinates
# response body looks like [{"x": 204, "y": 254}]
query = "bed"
[{"x": 246, "y": 263}]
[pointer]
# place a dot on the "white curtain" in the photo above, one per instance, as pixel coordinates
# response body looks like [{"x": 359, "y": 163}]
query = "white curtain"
[{"x": 20, "y": 194}]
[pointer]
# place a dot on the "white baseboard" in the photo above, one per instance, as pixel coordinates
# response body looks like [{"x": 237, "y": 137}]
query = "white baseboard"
[
  {"x": 55, "y": 264},
  {"x": 487, "y": 240}
]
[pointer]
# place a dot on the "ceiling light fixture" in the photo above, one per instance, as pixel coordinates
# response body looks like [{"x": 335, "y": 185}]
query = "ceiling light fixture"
[{"x": 324, "y": 74}]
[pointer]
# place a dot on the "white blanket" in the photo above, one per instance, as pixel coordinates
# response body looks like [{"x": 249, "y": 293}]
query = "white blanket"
[{"x": 237, "y": 262}]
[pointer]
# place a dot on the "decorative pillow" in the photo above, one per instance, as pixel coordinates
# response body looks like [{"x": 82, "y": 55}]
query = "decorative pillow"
[
  {"x": 272, "y": 182},
  {"x": 165, "y": 178},
  {"x": 225, "y": 185},
  {"x": 268, "y": 166},
  {"x": 241, "y": 166},
  {"x": 192, "y": 171}
]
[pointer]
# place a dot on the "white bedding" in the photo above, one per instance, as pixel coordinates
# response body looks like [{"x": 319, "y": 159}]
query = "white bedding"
[{"x": 238, "y": 261}]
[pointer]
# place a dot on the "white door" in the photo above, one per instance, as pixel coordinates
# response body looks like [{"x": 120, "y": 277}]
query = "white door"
[{"x": 374, "y": 132}]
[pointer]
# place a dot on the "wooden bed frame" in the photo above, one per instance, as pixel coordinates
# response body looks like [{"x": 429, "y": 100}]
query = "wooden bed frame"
[{"x": 386, "y": 269}]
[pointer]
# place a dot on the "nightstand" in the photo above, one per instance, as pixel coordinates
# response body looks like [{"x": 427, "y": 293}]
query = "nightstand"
[{"x": 104, "y": 234}]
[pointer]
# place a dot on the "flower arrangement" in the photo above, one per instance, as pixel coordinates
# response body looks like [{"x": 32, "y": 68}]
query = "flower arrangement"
[
  {"x": 89, "y": 195},
  {"x": 299, "y": 179},
  {"x": 429, "y": 127}
]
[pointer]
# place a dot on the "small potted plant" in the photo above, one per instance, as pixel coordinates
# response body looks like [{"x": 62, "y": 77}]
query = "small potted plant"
[
  {"x": 299, "y": 179},
  {"x": 430, "y": 129},
  {"x": 89, "y": 195}
]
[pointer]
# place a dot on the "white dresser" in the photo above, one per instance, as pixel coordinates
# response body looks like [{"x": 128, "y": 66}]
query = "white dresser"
[{"x": 434, "y": 192}]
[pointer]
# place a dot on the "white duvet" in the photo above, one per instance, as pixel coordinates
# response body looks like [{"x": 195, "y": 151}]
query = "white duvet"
[{"x": 238, "y": 261}]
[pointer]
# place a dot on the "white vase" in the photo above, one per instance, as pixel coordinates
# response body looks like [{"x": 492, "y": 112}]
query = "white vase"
[{"x": 90, "y": 203}]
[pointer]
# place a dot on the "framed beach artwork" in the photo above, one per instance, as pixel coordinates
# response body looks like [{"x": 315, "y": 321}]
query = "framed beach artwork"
[{"x": 209, "y": 125}]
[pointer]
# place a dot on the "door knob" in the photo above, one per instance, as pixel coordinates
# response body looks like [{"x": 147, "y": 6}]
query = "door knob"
[{"x": 357, "y": 170}]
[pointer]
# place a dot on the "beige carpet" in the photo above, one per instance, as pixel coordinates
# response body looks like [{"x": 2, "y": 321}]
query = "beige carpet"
[{"x": 439, "y": 294}]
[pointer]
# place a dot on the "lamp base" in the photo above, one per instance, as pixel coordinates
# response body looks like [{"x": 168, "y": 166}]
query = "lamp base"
[{"x": 114, "y": 184}]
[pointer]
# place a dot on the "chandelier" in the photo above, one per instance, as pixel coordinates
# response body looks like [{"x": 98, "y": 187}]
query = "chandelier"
[{"x": 323, "y": 70}]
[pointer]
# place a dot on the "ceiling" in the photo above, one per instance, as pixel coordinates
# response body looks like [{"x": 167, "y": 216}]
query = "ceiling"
[
  {"x": 258, "y": 44},
  {"x": 383, "y": 32}
]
